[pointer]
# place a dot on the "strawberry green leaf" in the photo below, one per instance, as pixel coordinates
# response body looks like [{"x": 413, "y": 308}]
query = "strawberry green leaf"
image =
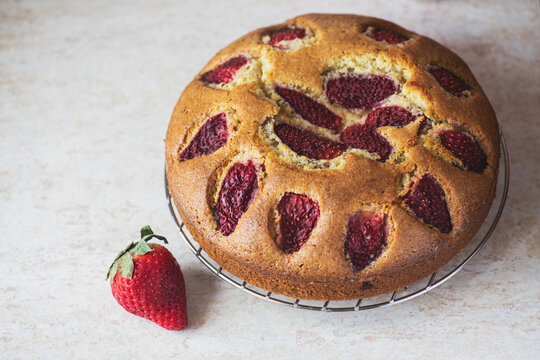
[
  {"x": 125, "y": 265},
  {"x": 114, "y": 267},
  {"x": 112, "y": 271},
  {"x": 124, "y": 260},
  {"x": 141, "y": 248}
]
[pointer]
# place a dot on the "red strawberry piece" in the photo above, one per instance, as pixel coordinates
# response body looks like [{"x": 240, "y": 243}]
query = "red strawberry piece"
[
  {"x": 280, "y": 38},
  {"x": 359, "y": 91},
  {"x": 236, "y": 195},
  {"x": 212, "y": 135},
  {"x": 387, "y": 36},
  {"x": 146, "y": 280},
  {"x": 449, "y": 81},
  {"x": 226, "y": 72},
  {"x": 367, "y": 138},
  {"x": 390, "y": 116},
  {"x": 427, "y": 201},
  {"x": 366, "y": 238},
  {"x": 465, "y": 148},
  {"x": 311, "y": 110},
  {"x": 298, "y": 216},
  {"x": 307, "y": 143}
]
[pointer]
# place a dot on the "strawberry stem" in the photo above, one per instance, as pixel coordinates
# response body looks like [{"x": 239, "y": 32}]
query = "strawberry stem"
[{"x": 147, "y": 234}]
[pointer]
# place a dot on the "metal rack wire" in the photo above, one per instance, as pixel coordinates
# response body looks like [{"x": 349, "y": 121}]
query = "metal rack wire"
[{"x": 407, "y": 293}]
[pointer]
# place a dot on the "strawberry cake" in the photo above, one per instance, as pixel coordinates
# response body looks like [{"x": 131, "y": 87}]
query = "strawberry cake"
[{"x": 333, "y": 157}]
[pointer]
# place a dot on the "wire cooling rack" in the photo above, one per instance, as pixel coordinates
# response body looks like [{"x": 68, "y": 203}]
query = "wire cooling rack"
[{"x": 406, "y": 293}]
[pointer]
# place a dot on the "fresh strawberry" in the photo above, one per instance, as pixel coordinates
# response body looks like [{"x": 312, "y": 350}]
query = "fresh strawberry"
[
  {"x": 307, "y": 143},
  {"x": 146, "y": 280}
]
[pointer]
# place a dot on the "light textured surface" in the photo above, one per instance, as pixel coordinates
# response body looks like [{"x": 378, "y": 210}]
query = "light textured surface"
[{"x": 86, "y": 91}]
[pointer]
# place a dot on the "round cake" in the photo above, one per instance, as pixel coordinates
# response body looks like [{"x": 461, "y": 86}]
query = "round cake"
[{"x": 333, "y": 157}]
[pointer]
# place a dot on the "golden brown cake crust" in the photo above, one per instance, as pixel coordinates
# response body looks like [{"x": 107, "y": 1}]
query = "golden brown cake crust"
[{"x": 353, "y": 181}]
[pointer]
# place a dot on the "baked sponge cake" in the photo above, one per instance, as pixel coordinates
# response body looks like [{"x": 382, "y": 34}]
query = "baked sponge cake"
[{"x": 333, "y": 157}]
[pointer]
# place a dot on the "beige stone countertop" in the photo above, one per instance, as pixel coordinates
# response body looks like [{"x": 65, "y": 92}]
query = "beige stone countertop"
[{"x": 86, "y": 92}]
